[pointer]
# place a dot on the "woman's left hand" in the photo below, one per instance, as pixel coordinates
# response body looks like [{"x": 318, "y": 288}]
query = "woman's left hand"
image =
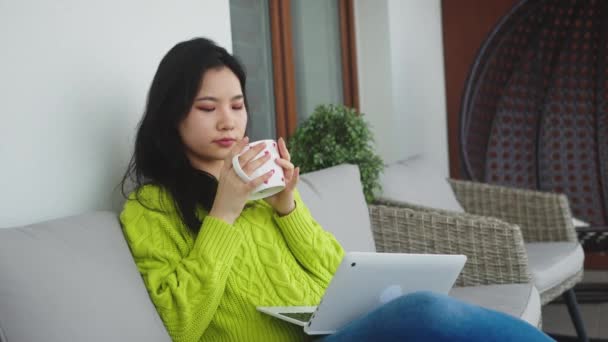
[{"x": 284, "y": 202}]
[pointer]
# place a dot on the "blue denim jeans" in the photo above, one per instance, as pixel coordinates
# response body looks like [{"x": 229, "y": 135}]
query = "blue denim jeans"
[{"x": 425, "y": 316}]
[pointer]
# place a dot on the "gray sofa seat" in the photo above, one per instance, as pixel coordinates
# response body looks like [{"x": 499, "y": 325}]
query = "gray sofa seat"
[
  {"x": 73, "y": 279},
  {"x": 519, "y": 300},
  {"x": 550, "y": 262}
]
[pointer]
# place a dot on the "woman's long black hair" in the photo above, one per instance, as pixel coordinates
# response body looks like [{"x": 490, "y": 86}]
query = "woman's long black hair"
[{"x": 159, "y": 157}]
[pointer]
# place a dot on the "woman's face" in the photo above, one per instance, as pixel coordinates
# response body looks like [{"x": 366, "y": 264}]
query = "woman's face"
[{"x": 216, "y": 121}]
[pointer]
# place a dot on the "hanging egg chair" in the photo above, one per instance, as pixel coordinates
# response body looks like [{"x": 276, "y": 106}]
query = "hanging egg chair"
[{"x": 534, "y": 113}]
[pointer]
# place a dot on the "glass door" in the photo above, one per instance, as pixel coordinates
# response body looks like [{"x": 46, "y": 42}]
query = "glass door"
[{"x": 298, "y": 54}]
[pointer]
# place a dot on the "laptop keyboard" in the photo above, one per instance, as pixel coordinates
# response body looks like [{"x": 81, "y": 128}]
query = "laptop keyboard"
[{"x": 300, "y": 316}]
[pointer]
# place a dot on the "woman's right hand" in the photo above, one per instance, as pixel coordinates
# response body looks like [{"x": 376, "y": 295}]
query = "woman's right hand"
[{"x": 232, "y": 191}]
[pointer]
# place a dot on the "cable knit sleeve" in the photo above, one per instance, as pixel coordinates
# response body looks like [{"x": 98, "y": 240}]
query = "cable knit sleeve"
[
  {"x": 186, "y": 283},
  {"x": 316, "y": 249}
]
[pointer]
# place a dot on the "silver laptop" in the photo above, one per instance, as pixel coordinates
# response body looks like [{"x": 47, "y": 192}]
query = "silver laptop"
[{"x": 365, "y": 281}]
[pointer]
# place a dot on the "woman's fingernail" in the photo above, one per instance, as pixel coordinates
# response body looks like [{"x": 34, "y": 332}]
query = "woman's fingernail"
[
  {"x": 282, "y": 179},
  {"x": 266, "y": 152},
  {"x": 265, "y": 182},
  {"x": 272, "y": 171}
]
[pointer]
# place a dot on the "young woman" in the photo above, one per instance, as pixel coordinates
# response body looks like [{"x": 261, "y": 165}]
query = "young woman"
[{"x": 209, "y": 256}]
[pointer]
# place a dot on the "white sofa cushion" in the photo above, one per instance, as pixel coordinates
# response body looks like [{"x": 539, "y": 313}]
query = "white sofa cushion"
[
  {"x": 418, "y": 181},
  {"x": 579, "y": 223},
  {"x": 553, "y": 262},
  {"x": 335, "y": 199},
  {"x": 519, "y": 300}
]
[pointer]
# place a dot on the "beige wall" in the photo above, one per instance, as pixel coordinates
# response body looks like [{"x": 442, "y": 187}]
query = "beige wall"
[{"x": 401, "y": 77}]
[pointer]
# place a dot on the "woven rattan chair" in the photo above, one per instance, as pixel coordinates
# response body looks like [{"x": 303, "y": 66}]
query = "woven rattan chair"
[
  {"x": 534, "y": 112},
  {"x": 555, "y": 258},
  {"x": 542, "y": 217},
  {"x": 495, "y": 249},
  {"x": 497, "y": 260}
]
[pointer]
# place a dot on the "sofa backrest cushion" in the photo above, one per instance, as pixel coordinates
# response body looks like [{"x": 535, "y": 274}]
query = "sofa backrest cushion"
[
  {"x": 335, "y": 199},
  {"x": 73, "y": 279},
  {"x": 418, "y": 181}
]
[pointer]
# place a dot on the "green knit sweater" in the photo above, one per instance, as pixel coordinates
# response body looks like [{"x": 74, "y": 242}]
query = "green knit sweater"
[{"x": 206, "y": 287}]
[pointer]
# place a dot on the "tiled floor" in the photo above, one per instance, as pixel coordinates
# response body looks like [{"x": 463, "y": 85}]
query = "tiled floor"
[{"x": 556, "y": 320}]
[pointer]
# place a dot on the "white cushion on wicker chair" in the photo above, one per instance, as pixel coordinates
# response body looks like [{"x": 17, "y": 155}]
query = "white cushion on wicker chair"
[
  {"x": 417, "y": 181},
  {"x": 553, "y": 262},
  {"x": 579, "y": 223},
  {"x": 519, "y": 300},
  {"x": 335, "y": 199}
]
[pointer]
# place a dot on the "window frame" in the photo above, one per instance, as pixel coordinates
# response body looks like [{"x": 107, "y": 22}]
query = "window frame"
[{"x": 283, "y": 62}]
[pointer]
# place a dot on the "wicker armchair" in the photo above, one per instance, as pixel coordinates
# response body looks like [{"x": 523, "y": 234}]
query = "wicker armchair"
[
  {"x": 542, "y": 217},
  {"x": 495, "y": 249},
  {"x": 555, "y": 258},
  {"x": 497, "y": 262}
]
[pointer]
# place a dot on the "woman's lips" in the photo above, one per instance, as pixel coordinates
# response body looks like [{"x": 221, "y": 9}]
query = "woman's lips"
[{"x": 224, "y": 142}]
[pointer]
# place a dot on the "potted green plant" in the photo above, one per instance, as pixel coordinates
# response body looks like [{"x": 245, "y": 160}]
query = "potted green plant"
[{"x": 333, "y": 135}]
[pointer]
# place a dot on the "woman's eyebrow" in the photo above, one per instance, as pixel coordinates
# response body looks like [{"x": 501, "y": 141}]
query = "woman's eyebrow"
[{"x": 215, "y": 99}]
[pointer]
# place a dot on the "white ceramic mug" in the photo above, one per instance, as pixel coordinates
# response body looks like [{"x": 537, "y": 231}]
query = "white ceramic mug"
[{"x": 276, "y": 183}]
